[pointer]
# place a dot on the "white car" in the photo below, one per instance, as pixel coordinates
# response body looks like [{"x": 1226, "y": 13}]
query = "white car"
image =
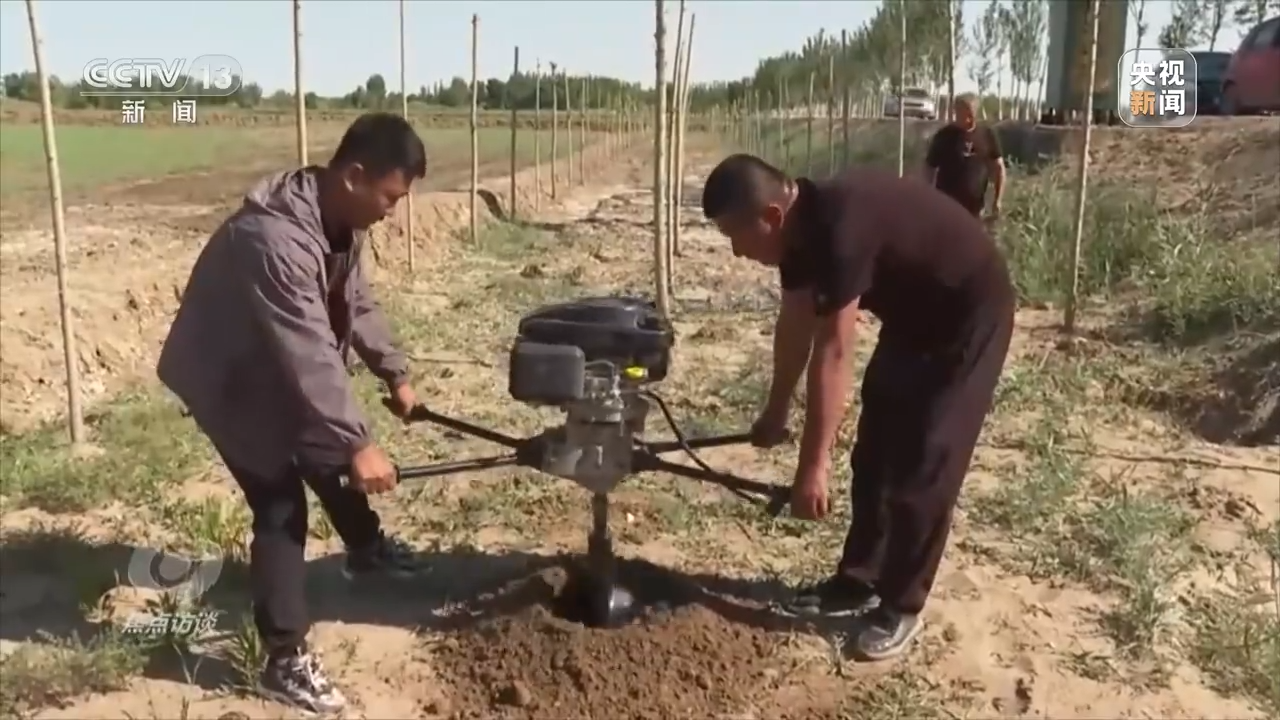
[{"x": 916, "y": 103}]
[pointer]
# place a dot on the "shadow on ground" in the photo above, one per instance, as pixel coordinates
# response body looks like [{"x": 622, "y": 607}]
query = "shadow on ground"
[
  {"x": 1238, "y": 404},
  {"x": 55, "y": 582}
]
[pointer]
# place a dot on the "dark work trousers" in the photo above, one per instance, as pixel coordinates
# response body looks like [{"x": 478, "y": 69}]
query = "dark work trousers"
[
  {"x": 968, "y": 198},
  {"x": 972, "y": 204},
  {"x": 277, "y": 555},
  {"x": 921, "y": 417}
]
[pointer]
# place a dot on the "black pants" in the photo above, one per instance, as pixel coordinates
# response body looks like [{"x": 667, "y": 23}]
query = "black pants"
[
  {"x": 969, "y": 199},
  {"x": 974, "y": 205},
  {"x": 921, "y": 417},
  {"x": 277, "y": 555}
]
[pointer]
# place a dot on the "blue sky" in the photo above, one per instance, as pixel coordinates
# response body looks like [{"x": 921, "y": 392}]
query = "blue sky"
[{"x": 345, "y": 41}]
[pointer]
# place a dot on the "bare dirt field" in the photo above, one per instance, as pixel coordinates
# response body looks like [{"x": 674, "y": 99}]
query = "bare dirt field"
[{"x": 1107, "y": 560}]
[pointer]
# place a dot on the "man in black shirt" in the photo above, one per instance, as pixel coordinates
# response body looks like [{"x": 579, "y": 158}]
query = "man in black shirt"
[
  {"x": 962, "y": 157},
  {"x": 929, "y": 270}
]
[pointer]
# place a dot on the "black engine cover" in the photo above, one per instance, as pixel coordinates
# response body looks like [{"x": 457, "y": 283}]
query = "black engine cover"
[{"x": 626, "y": 331}]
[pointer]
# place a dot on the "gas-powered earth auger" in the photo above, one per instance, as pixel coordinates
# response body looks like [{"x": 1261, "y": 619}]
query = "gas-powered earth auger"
[{"x": 595, "y": 359}]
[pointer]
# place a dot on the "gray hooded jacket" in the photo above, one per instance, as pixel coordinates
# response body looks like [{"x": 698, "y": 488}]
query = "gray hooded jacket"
[{"x": 257, "y": 350}]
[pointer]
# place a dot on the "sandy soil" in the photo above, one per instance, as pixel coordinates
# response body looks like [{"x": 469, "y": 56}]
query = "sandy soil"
[{"x": 481, "y": 635}]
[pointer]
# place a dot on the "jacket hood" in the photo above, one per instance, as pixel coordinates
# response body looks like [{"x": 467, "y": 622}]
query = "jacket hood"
[{"x": 292, "y": 196}]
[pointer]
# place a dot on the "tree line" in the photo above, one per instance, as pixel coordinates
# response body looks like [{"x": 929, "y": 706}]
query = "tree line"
[
  {"x": 1199, "y": 22},
  {"x": 1008, "y": 40}
]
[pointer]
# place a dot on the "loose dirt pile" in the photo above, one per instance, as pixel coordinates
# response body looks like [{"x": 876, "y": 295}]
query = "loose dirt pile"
[{"x": 677, "y": 660}]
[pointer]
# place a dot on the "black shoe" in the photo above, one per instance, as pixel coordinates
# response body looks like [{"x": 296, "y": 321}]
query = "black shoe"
[
  {"x": 837, "y": 596},
  {"x": 386, "y": 555},
  {"x": 298, "y": 680}
]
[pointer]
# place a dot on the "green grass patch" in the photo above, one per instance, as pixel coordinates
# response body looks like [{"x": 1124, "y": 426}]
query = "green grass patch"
[
  {"x": 53, "y": 673},
  {"x": 142, "y": 443},
  {"x": 1237, "y": 644},
  {"x": 95, "y": 155}
]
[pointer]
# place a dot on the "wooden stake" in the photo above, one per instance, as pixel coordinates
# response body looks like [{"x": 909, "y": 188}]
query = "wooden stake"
[
  {"x": 670, "y": 120},
  {"x": 831, "y": 113},
  {"x": 846, "y": 99},
  {"x": 300, "y": 100},
  {"x": 753, "y": 123},
  {"x": 537, "y": 135},
  {"x": 605, "y": 122},
  {"x": 404, "y": 110},
  {"x": 902, "y": 89},
  {"x": 582, "y": 133},
  {"x": 628, "y": 124},
  {"x": 70, "y": 358},
  {"x": 568, "y": 133},
  {"x": 555, "y": 128},
  {"x": 808, "y": 131},
  {"x": 610, "y": 129},
  {"x": 681, "y": 126},
  {"x": 780, "y": 110},
  {"x": 475, "y": 129},
  {"x": 1082, "y": 183},
  {"x": 660, "y": 270},
  {"x": 951, "y": 55},
  {"x": 515, "y": 74}
]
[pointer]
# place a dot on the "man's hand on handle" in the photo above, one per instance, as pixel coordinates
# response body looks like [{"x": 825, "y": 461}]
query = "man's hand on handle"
[
  {"x": 770, "y": 430},
  {"x": 371, "y": 471},
  {"x": 402, "y": 401},
  {"x": 809, "y": 497}
]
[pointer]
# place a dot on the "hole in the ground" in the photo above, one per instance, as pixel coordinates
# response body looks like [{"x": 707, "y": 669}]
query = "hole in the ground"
[
  {"x": 677, "y": 658},
  {"x": 638, "y": 590}
]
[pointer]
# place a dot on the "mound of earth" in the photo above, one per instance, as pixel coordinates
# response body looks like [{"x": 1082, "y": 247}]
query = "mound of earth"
[
  {"x": 1246, "y": 406},
  {"x": 1231, "y": 399},
  {"x": 677, "y": 660}
]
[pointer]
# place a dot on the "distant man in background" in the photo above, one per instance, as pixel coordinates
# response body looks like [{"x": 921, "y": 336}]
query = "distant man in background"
[
  {"x": 257, "y": 353},
  {"x": 964, "y": 157}
]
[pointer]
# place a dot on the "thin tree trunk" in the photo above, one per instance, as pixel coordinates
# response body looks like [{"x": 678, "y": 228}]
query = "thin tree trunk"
[
  {"x": 537, "y": 135},
  {"x": 1082, "y": 183},
  {"x": 660, "y": 267},
  {"x": 70, "y": 358}
]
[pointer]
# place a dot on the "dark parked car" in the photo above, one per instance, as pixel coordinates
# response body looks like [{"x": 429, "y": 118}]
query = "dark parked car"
[
  {"x": 1212, "y": 68},
  {"x": 1252, "y": 83}
]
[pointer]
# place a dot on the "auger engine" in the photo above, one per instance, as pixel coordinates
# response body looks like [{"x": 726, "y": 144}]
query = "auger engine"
[
  {"x": 595, "y": 359},
  {"x": 592, "y": 358}
]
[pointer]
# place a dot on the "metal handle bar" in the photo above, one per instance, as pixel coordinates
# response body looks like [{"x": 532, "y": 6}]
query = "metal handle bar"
[
  {"x": 420, "y": 413},
  {"x": 644, "y": 458},
  {"x": 666, "y": 446},
  {"x": 453, "y": 467},
  {"x": 773, "y": 497}
]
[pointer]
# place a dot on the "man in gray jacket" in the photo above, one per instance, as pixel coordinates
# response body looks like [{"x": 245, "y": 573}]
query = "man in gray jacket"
[{"x": 257, "y": 353}]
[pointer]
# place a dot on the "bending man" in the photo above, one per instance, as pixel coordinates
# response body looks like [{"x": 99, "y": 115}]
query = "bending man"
[
  {"x": 928, "y": 269},
  {"x": 258, "y": 352}
]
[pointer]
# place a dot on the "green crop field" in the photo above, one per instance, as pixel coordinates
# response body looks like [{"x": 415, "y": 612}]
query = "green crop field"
[{"x": 94, "y": 155}]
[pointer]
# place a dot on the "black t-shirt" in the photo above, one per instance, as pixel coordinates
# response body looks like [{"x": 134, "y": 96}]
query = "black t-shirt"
[
  {"x": 337, "y": 270},
  {"x": 918, "y": 261},
  {"x": 962, "y": 158}
]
